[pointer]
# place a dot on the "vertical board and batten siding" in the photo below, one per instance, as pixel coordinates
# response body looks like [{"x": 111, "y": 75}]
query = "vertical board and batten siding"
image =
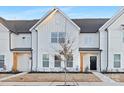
[
  {"x": 4, "y": 47},
  {"x": 54, "y": 23},
  {"x": 103, "y": 47},
  {"x": 19, "y": 42},
  {"x": 116, "y": 44},
  {"x": 89, "y": 40}
]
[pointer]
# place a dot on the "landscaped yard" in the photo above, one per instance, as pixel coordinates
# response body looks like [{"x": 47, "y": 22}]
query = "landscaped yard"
[
  {"x": 119, "y": 77},
  {"x": 2, "y": 75},
  {"x": 55, "y": 77}
]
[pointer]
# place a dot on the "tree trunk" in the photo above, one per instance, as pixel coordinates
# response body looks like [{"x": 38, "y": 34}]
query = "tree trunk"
[{"x": 65, "y": 73}]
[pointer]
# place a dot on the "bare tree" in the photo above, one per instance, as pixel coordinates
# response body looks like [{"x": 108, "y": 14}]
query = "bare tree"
[{"x": 65, "y": 51}]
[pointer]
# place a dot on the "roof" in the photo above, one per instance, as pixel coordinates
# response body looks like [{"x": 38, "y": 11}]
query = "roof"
[
  {"x": 90, "y": 25},
  {"x": 89, "y": 49},
  {"x": 23, "y": 26}
]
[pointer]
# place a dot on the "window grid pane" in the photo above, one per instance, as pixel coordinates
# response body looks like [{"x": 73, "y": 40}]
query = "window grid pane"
[
  {"x": 117, "y": 58},
  {"x": 1, "y": 61},
  {"x": 45, "y": 60},
  {"x": 70, "y": 61},
  {"x": 57, "y": 61}
]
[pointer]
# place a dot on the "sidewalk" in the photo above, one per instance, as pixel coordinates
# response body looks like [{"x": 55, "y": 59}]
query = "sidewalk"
[{"x": 104, "y": 78}]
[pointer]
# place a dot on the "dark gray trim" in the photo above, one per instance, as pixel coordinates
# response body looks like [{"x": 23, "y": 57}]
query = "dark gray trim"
[
  {"x": 88, "y": 32},
  {"x": 89, "y": 49},
  {"x": 21, "y": 49}
]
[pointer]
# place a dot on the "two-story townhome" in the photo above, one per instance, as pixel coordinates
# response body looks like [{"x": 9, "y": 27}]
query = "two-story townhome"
[{"x": 30, "y": 45}]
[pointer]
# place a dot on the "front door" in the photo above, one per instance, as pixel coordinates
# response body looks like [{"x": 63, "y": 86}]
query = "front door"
[{"x": 93, "y": 62}]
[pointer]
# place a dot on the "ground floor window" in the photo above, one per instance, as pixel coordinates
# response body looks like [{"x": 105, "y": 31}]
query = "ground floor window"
[
  {"x": 70, "y": 61},
  {"x": 45, "y": 59},
  {"x": 57, "y": 61},
  {"x": 117, "y": 60},
  {"x": 1, "y": 61}
]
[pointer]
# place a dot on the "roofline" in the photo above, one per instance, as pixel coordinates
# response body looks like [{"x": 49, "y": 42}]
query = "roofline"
[
  {"x": 42, "y": 18},
  {"x": 49, "y": 13},
  {"x": 112, "y": 19}
]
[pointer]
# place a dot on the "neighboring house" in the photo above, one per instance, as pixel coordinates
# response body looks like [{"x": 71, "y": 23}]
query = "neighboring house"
[{"x": 29, "y": 45}]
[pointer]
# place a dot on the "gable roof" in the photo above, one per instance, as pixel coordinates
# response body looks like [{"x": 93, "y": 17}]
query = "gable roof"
[
  {"x": 113, "y": 19},
  {"x": 90, "y": 25},
  {"x": 52, "y": 11},
  {"x": 23, "y": 26}
]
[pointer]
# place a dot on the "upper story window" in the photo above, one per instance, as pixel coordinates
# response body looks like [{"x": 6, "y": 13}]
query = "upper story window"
[
  {"x": 117, "y": 60},
  {"x": 57, "y": 37},
  {"x": 45, "y": 59}
]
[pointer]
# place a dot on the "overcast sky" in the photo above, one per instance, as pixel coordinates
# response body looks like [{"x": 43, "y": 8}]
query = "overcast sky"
[{"x": 36, "y": 12}]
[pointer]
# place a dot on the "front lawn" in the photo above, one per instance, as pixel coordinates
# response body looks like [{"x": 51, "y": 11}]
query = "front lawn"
[
  {"x": 119, "y": 77},
  {"x": 55, "y": 77}
]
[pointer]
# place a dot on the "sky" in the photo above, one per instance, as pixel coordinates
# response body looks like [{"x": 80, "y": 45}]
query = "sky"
[{"x": 36, "y": 12}]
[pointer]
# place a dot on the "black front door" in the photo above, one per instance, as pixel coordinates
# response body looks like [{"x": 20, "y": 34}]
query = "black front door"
[{"x": 93, "y": 62}]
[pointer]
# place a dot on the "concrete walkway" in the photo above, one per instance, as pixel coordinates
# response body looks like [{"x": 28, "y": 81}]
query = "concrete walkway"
[
  {"x": 58, "y": 84},
  {"x": 16, "y": 75},
  {"x": 104, "y": 78}
]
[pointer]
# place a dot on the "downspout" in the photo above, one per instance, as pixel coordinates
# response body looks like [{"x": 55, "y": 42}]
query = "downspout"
[
  {"x": 100, "y": 51},
  {"x": 31, "y": 54},
  {"x": 37, "y": 52},
  {"x": 107, "y": 48},
  {"x": 10, "y": 41}
]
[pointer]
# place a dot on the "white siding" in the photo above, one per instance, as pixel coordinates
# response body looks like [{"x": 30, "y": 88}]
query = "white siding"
[
  {"x": 116, "y": 44},
  {"x": 19, "y": 42},
  {"x": 54, "y": 23},
  {"x": 89, "y": 40},
  {"x": 4, "y": 47}
]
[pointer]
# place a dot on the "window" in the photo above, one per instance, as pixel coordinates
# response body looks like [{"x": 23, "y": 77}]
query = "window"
[
  {"x": 45, "y": 60},
  {"x": 54, "y": 37},
  {"x": 1, "y": 61},
  {"x": 57, "y": 37},
  {"x": 117, "y": 59},
  {"x": 70, "y": 61},
  {"x": 57, "y": 61},
  {"x": 61, "y": 37}
]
